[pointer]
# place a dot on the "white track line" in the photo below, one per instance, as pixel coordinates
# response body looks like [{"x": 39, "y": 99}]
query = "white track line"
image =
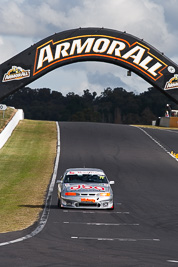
[
  {"x": 104, "y": 224},
  {"x": 46, "y": 209},
  {"x": 96, "y": 212},
  {"x": 172, "y": 131},
  {"x": 156, "y": 142},
  {"x": 172, "y": 261},
  {"x": 114, "y": 239}
]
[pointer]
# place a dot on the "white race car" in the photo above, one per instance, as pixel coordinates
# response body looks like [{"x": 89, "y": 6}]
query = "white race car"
[{"x": 85, "y": 188}]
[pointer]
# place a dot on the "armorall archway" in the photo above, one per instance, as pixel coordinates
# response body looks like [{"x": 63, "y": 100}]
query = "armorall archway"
[{"x": 90, "y": 44}]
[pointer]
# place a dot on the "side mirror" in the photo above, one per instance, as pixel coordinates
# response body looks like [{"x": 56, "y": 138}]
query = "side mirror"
[
  {"x": 59, "y": 181},
  {"x": 112, "y": 182}
]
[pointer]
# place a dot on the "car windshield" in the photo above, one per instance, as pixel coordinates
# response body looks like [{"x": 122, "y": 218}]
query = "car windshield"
[{"x": 85, "y": 178}]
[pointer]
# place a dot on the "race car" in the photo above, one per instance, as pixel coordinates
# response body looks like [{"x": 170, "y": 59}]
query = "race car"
[{"x": 85, "y": 188}]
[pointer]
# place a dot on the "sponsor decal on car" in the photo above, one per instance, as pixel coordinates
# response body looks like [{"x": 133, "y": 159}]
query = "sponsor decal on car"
[
  {"x": 100, "y": 188},
  {"x": 172, "y": 83},
  {"x": 85, "y": 172},
  {"x": 77, "y": 187},
  {"x": 87, "y": 200},
  {"x": 87, "y": 187},
  {"x": 136, "y": 54},
  {"x": 15, "y": 73}
]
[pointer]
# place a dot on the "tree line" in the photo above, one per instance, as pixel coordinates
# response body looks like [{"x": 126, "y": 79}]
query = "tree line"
[{"x": 111, "y": 106}]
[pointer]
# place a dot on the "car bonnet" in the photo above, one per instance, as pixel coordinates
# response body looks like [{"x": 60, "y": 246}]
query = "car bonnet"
[{"x": 86, "y": 187}]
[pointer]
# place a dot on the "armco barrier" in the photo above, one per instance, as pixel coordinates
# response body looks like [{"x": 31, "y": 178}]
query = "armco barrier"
[{"x": 6, "y": 133}]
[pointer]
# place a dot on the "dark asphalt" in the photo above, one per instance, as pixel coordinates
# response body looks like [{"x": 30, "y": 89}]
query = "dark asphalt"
[{"x": 142, "y": 230}]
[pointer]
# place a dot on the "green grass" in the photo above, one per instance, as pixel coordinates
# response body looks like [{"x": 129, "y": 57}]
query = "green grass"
[{"x": 26, "y": 166}]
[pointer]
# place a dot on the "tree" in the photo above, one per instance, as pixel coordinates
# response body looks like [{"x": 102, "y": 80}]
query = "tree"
[{"x": 112, "y": 106}]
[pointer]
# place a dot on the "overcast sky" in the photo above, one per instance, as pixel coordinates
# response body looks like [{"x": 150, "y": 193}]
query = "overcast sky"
[{"x": 24, "y": 22}]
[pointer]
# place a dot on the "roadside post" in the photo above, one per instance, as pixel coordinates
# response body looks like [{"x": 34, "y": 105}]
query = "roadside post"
[{"x": 3, "y": 108}]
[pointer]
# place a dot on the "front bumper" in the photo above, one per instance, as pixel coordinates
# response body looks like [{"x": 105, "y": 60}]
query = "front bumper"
[{"x": 86, "y": 203}]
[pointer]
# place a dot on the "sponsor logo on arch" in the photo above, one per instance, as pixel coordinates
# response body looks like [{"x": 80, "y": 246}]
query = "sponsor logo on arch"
[
  {"x": 136, "y": 55},
  {"x": 172, "y": 83},
  {"x": 15, "y": 73}
]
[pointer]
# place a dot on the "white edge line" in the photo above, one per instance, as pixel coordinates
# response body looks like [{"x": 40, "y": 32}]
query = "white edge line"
[
  {"x": 46, "y": 210},
  {"x": 172, "y": 261},
  {"x": 156, "y": 142},
  {"x": 95, "y": 212}
]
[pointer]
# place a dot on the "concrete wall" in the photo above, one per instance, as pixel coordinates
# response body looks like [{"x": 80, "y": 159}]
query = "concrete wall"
[
  {"x": 164, "y": 122},
  {"x": 6, "y": 133},
  {"x": 169, "y": 122}
]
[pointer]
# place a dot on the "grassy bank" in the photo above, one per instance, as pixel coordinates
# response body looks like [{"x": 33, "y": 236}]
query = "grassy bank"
[
  {"x": 26, "y": 166},
  {"x": 8, "y": 114}
]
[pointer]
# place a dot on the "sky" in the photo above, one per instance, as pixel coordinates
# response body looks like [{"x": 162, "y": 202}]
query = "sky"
[{"x": 25, "y": 22}]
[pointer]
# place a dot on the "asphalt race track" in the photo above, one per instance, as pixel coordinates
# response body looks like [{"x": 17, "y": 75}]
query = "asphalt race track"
[{"x": 142, "y": 230}]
